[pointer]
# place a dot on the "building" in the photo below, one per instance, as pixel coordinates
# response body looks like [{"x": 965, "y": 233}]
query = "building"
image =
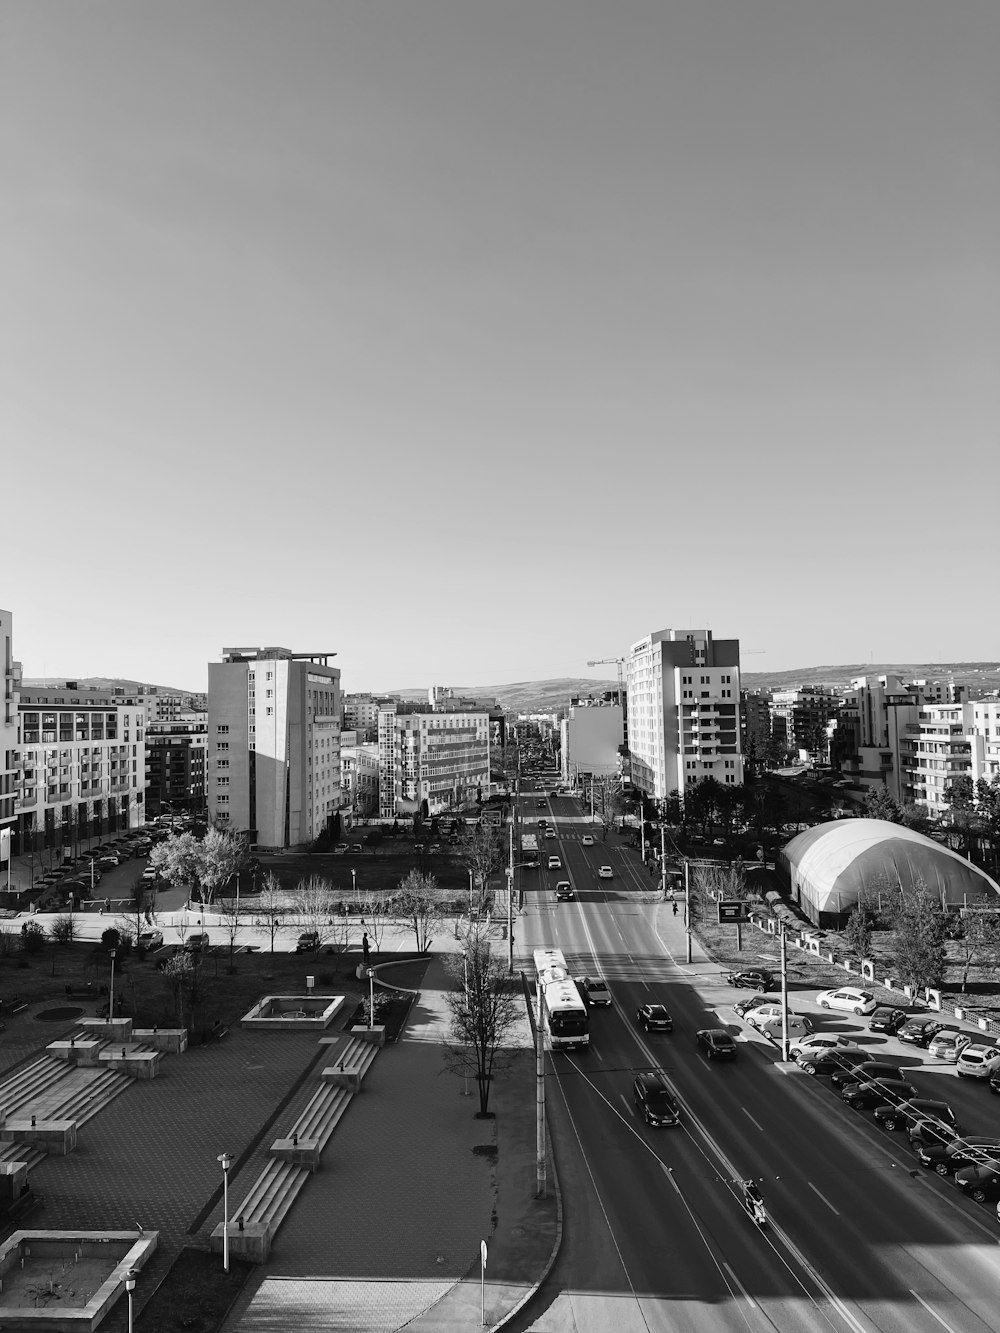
[
  {"x": 175, "y": 764},
  {"x": 274, "y": 744},
  {"x": 165, "y": 705},
  {"x": 935, "y": 752},
  {"x": 359, "y": 777},
  {"x": 361, "y": 715},
  {"x": 592, "y": 738},
  {"x": 9, "y": 763},
  {"x": 984, "y": 738},
  {"x": 683, "y": 710},
  {"x": 431, "y": 761},
  {"x": 755, "y": 725},
  {"x": 804, "y": 719},
  {"x": 81, "y": 763}
]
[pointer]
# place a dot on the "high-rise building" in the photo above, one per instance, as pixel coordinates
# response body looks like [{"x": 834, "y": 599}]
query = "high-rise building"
[
  {"x": 591, "y": 740},
  {"x": 683, "y": 711},
  {"x": 175, "y": 763},
  {"x": 804, "y": 718},
  {"x": 274, "y": 744},
  {"x": 9, "y": 763},
  {"x": 431, "y": 761}
]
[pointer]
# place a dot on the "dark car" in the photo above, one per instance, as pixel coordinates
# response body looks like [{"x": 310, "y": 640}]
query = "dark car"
[
  {"x": 828, "y": 1062},
  {"x": 980, "y": 1181},
  {"x": 654, "y": 1018},
  {"x": 919, "y": 1031},
  {"x": 968, "y": 1150},
  {"x": 308, "y": 940},
  {"x": 876, "y": 1092},
  {"x": 593, "y": 990},
  {"x": 752, "y": 978},
  {"x": 886, "y": 1019},
  {"x": 196, "y": 942},
  {"x": 657, "y": 1103},
  {"x": 904, "y": 1115},
  {"x": 748, "y": 1002},
  {"x": 865, "y": 1073},
  {"x": 717, "y": 1043}
]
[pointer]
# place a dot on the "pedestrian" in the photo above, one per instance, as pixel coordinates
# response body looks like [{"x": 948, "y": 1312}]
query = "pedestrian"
[{"x": 675, "y": 909}]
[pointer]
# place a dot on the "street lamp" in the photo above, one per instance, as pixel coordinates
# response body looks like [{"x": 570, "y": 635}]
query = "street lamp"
[
  {"x": 130, "y": 1277},
  {"x": 371, "y": 997},
  {"x": 111, "y": 993},
  {"x": 225, "y": 1160}
]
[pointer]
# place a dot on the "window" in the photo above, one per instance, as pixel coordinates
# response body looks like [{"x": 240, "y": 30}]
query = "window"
[
  {"x": 270, "y": 711},
  {"x": 222, "y": 731},
  {"x": 224, "y": 745}
]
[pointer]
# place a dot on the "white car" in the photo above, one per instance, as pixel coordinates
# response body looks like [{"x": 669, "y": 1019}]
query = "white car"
[
  {"x": 798, "y": 1026},
  {"x": 555, "y": 863},
  {"x": 978, "y": 1061},
  {"x": 948, "y": 1045},
  {"x": 820, "y": 1041},
  {"x": 605, "y": 872},
  {"x": 852, "y": 998},
  {"x": 763, "y": 1013},
  {"x": 588, "y": 841}
]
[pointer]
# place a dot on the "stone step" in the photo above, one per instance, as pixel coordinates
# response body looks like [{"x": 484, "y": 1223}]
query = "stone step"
[
  {"x": 28, "y": 1153},
  {"x": 354, "y": 1053},
  {"x": 273, "y": 1193},
  {"x": 30, "y": 1083},
  {"x": 322, "y": 1114},
  {"x": 85, "y": 1100}
]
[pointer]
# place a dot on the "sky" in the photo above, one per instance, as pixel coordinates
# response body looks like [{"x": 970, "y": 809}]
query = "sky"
[{"x": 473, "y": 341}]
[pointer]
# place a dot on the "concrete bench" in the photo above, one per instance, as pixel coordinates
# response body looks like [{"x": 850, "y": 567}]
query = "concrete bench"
[{"x": 254, "y": 1222}]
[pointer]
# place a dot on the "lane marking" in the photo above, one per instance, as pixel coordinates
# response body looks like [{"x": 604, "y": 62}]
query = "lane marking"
[
  {"x": 752, "y": 1120},
  {"x": 822, "y": 1196},
  {"x": 746, "y": 1295},
  {"x": 931, "y": 1311}
]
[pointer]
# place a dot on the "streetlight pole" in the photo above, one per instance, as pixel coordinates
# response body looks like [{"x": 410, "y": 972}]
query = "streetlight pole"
[
  {"x": 371, "y": 997},
  {"x": 225, "y": 1160},
  {"x": 129, "y": 1288},
  {"x": 111, "y": 994}
]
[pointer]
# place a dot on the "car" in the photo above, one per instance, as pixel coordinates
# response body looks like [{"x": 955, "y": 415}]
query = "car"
[
  {"x": 109, "y": 861},
  {"x": 886, "y": 1018},
  {"x": 876, "y": 1092},
  {"x": 564, "y": 891},
  {"x": 307, "y": 941},
  {"x": 852, "y": 998},
  {"x": 978, "y": 1060},
  {"x": 865, "y": 1072},
  {"x": 555, "y": 863},
  {"x": 150, "y": 940},
  {"x": 963, "y": 1151},
  {"x": 434, "y": 849},
  {"x": 752, "y": 978},
  {"x": 605, "y": 872},
  {"x": 541, "y": 804},
  {"x": 588, "y": 841},
  {"x": 796, "y": 1025},
  {"x": 652, "y": 1094},
  {"x": 542, "y": 823},
  {"x": 196, "y": 942},
  {"x": 979, "y": 1180},
  {"x": 920, "y": 1030},
  {"x": 995, "y": 1083},
  {"x": 820, "y": 1041},
  {"x": 654, "y": 1018},
  {"x": 762, "y": 1014},
  {"x": 717, "y": 1043},
  {"x": 594, "y": 991},
  {"x": 357, "y": 848},
  {"x": 550, "y": 832},
  {"x": 948, "y": 1044},
  {"x": 747, "y": 1002},
  {"x": 553, "y": 794},
  {"x": 904, "y": 1115},
  {"x": 931, "y": 1133}
]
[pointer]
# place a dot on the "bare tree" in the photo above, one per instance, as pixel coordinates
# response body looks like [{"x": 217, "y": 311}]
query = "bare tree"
[
  {"x": 484, "y": 1010},
  {"x": 979, "y": 942},
  {"x": 608, "y": 802},
  {"x": 313, "y": 907},
  {"x": 374, "y": 910},
  {"x": 418, "y": 905},
  {"x": 482, "y": 851},
  {"x": 269, "y": 908}
]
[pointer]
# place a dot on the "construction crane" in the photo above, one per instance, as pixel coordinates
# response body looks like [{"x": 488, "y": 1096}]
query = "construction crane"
[{"x": 606, "y": 661}]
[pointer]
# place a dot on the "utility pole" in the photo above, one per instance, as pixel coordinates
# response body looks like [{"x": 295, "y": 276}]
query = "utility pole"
[
  {"x": 540, "y": 1168},
  {"x": 784, "y": 992},
  {"x": 663, "y": 860},
  {"x": 687, "y": 906}
]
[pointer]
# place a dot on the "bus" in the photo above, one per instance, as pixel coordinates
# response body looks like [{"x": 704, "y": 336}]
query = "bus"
[
  {"x": 529, "y": 849},
  {"x": 564, "y": 1013}
]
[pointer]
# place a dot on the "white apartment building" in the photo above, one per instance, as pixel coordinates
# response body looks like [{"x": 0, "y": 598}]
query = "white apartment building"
[
  {"x": 442, "y": 759},
  {"x": 361, "y": 715},
  {"x": 8, "y": 738},
  {"x": 274, "y": 744},
  {"x": 936, "y": 751},
  {"x": 683, "y": 711},
  {"x": 591, "y": 738},
  {"x": 984, "y": 738},
  {"x": 359, "y": 778}
]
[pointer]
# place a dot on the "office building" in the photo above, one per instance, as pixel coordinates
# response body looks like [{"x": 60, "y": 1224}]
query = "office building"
[
  {"x": 430, "y": 761},
  {"x": 274, "y": 744},
  {"x": 683, "y": 710}
]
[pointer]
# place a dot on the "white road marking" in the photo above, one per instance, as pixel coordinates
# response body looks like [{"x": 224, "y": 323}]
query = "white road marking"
[
  {"x": 931, "y": 1311},
  {"x": 823, "y": 1197},
  {"x": 746, "y": 1295},
  {"x": 752, "y": 1120}
]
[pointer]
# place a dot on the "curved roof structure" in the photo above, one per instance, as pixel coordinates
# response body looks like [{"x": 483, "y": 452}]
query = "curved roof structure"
[{"x": 828, "y": 865}]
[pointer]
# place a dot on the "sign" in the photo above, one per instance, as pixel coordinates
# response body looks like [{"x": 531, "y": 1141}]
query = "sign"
[{"x": 733, "y": 910}]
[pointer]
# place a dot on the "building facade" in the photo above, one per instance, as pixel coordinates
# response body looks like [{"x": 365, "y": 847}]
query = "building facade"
[
  {"x": 359, "y": 778},
  {"x": 175, "y": 764},
  {"x": 804, "y": 718},
  {"x": 274, "y": 744},
  {"x": 683, "y": 710},
  {"x": 9, "y": 770},
  {"x": 592, "y": 737},
  {"x": 431, "y": 761}
]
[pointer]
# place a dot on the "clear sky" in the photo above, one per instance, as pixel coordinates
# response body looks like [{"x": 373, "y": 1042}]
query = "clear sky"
[{"x": 473, "y": 340}]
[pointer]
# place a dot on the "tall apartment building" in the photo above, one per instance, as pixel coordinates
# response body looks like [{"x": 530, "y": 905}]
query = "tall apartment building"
[
  {"x": 8, "y": 737},
  {"x": 359, "y": 777},
  {"x": 592, "y": 737},
  {"x": 166, "y": 705},
  {"x": 984, "y": 738},
  {"x": 274, "y": 744},
  {"x": 934, "y": 752},
  {"x": 755, "y": 722},
  {"x": 175, "y": 763},
  {"x": 683, "y": 711},
  {"x": 805, "y": 717},
  {"x": 361, "y": 715},
  {"x": 81, "y": 762},
  {"x": 441, "y": 759}
]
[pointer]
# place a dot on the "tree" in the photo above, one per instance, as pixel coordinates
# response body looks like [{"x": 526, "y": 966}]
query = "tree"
[
  {"x": 269, "y": 908},
  {"x": 915, "y": 815},
  {"x": 373, "y": 839},
  {"x": 858, "y": 933},
  {"x": 960, "y": 796},
  {"x": 374, "y": 910},
  {"x": 484, "y": 1009},
  {"x": 206, "y": 864},
  {"x": 313, "y": 907},
  {"x": 180, "y": 975},
  {"x": 418, "y": 905},
  {"x": 881, "y": 804},
  {"x": 481, "y": 851},
  {"x": 608, "y": 801},
  {"x": 229, "y": 911},
  {"x": 988, "y": 809},
  {"x": 978, "y": 941},
  {"x": 918, "y": 942}
]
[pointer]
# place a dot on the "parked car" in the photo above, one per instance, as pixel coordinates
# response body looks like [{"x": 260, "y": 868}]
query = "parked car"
[
  {"x": 830, "y": 1062},
  {"x": 588, "y": 841},
  {"x": 948, "y": 1044},
  {"x": 866, "y": 1072},
  {"x": 307, "y": 941},
  {"x": 752, "y": 978},
  {"x": 594, "y": 991},
  {"x": 654, "y": 1098},
  {"x": 967, "y": 1150},
  {"x": 979, "y": 1180},
  {"x": 717, "y": 1043},
  {"x": 748, "y": 1002},
  {"x": 150, "y": 940},
  {"x": 797, "y": 1025},
  {"x": 886, "y": 1018},
  {"x": 762, "y": 1014},
  {"x": 564, "y": 891},
  {"x": 919, "y": 1031},
  {"x": 820, "y": 1041},
  {"x": 978, "y": 1060},
  {"x": 605, "y": 872},
  {"x": 931, "y": 1133},
  {"x": 904, "y": 1115},
  {"x": 852, "y": 998},
  {"x": 876, "y": 1091},
  {"x": 654, "y": 1018},
  {"x": 196, "y": 942}
]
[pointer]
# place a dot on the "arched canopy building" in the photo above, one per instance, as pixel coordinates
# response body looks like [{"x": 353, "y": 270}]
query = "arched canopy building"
[{"x": 827, "y": 867}]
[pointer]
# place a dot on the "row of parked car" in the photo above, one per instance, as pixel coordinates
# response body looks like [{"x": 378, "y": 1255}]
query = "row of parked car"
[{"x": 76, "y": 877}]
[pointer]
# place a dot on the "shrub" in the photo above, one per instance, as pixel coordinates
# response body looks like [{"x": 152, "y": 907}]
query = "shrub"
[{"x": 32, "y": 937}]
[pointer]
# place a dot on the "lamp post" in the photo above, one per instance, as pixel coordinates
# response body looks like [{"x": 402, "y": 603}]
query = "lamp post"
[
  {"x": 225, "y": 1160},
  {"x": 129, "y": 1288},
  {"x": 371, "y": 997},
  {"x": 111, "y": 992}
]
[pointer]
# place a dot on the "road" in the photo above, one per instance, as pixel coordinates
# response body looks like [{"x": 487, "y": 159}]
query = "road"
[{"x": 859, "y": 1237}]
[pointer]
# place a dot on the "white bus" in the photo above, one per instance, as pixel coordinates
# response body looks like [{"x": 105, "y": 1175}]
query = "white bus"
[
  {"x": 564, "y": 1012},
  {"x": 529, "y": 850}
]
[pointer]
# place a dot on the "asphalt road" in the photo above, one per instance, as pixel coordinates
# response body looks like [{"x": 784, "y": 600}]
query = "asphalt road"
[{"x": 860, "y": 1237}]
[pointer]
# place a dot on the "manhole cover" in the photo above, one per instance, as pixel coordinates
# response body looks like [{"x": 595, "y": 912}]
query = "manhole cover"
[{"x": 62, "y": 1015}]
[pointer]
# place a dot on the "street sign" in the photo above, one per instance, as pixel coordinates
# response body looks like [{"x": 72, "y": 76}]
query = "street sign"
[{"x": 733, "y": 910}]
